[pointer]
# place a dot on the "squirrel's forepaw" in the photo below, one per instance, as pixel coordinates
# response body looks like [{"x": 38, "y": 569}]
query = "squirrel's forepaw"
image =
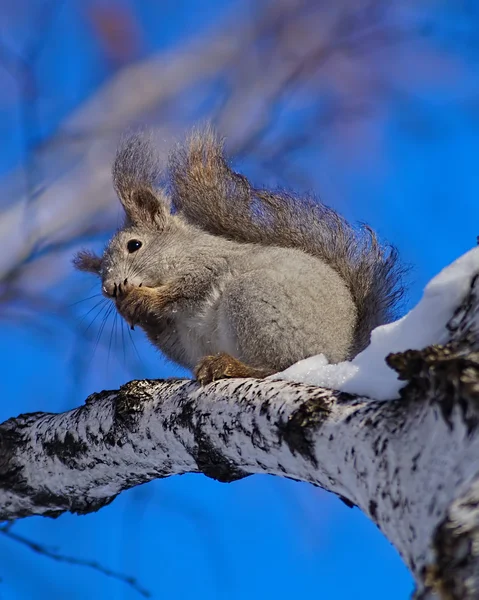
[{"x": 129, "y": 300}]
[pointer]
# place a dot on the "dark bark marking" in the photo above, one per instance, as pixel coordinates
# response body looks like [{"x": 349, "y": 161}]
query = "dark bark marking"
[
  {"x": 455, "y": 543},
  {"x": 345, "y": 500},
  {"x": 68, "y": 451},
  {"x": 443, "y": 375},
  {"x": 213, "y": 464},
  {"x": 210, "y": 461},
  {"x": 298, "y": 431},
  {"x": 373, "y": 510}
]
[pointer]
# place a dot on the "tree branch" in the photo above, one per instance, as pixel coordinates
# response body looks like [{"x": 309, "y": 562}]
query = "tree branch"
[{"x": 409, "y": 464}]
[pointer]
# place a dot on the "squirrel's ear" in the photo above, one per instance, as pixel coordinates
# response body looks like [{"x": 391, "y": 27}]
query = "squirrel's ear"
[
  {"x": 135, "y": 172},
  {"x": 87, "y": 261}
]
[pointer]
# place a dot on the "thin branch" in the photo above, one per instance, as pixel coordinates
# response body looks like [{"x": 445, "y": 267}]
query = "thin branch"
[{"x": 71, "y": 560}]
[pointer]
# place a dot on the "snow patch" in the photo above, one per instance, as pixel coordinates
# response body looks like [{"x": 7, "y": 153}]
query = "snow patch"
[{"x": 367, "y": 374}]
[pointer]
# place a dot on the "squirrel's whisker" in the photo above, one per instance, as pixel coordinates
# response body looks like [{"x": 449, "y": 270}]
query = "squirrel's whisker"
[
  {"x": 133, "y": 342},
  {"x": 122, "y": 327},
  {"x": 102, "y": 303},
  {"x": 102, "y": 327},
  {"x": 103, "y": 310},
  {"x": 84, "y": 300},
  {"x": 115, "y": 316}
]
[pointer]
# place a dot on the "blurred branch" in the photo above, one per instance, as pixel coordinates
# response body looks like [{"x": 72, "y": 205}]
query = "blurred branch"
[
  {"x": 22, "y": 67},
  {"x": 281, "y": 58}
]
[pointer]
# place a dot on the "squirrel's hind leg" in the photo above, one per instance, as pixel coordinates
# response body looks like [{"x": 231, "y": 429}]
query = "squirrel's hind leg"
[{"x": 222, "y": 365}]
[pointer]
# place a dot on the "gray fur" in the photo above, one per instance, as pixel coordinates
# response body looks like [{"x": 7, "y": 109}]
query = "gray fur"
[{"x": 261, "y": 276}]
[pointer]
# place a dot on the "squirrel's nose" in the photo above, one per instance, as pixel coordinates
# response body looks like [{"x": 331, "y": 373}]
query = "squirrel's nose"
[{"x": 109, "y": 289}]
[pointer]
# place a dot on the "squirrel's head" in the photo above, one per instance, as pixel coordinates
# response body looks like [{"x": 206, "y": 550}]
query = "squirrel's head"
[{"x": 135, "y": 251}]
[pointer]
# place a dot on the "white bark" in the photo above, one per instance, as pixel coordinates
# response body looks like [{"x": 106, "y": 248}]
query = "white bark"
[{"x": 409, "y": 464}]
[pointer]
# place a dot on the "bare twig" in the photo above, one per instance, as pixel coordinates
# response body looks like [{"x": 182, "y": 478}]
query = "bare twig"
[{"x": 72, "y": 560}]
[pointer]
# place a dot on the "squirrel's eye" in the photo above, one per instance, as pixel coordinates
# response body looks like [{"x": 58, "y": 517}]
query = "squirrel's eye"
[{"x": 133, "y": 245}]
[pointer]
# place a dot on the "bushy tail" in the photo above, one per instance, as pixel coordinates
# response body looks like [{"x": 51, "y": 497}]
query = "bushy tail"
[{"x": 213, "y": 197}]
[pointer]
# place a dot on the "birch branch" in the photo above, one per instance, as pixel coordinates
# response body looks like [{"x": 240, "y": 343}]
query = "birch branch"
[{"x": 409, "y": 464}]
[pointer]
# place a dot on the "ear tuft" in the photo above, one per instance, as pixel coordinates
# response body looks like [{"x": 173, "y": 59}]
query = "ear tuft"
[
  {"x": 88, "y": 262},
  {"x": 136, "y": 170}
]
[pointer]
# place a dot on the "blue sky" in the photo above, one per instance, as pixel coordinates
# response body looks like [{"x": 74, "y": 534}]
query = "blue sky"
[{"x": 261, "y": 537}]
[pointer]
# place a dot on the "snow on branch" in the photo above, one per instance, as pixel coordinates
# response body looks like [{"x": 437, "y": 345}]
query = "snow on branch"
[{"x": 410, "y": 464}]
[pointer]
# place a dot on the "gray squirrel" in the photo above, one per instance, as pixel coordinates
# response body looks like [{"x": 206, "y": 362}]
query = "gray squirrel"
[{"x": 233, "y": 281}]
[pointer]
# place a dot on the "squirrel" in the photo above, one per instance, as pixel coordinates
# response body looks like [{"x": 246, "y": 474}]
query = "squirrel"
[{"x": 229, "y": 280}]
